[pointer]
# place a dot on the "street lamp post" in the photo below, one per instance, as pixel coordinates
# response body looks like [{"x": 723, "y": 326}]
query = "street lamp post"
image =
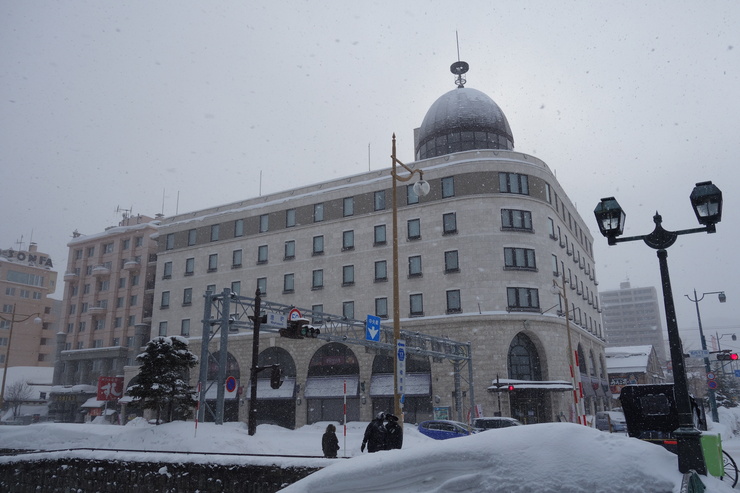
[
  {"x": 421, "y": 188},
  {"x": 706, "y": 199},
  {"x": 12, "y": 321},
  {"x": 707, "y": 366},
  {"x": 575, "y": 373}
]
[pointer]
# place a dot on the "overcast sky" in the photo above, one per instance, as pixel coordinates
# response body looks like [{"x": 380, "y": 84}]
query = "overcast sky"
[{"x": 179, "y": 105}]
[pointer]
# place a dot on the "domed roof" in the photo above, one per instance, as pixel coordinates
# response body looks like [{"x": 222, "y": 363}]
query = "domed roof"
[{"x": 461, "y": 120}]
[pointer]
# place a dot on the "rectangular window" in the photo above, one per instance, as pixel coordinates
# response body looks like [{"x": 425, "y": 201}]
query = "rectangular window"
[
  {"x": 348, "y": 275},
  {"x": 411, "y": 197},
  {"x": 448, "y": 187},
  {"x": 379, "y": 237},
  {"x": 192, "y": 235},
  {"x": 348, "y": 240},
  {"x": 315, "y": 318},
  {"x": 348, "y": 309},
  {"x": 318, "y": 213},
  {"x": 211, "y": 288},
  {"x": 213, "y": 262},
  {"x": 289, "y": 250},
  {"x": 215, "y": 231},
  {"x": 379, "y": 200},
  {"x": 90, "y": 251},
  {"x": 317, "y": 279},
  {"x": 126, "y": 244},
  {"x": 348, "y": 206},
  {"x": 262, "y": 254},
  {"x": 551, "y": 228},
  {"x": 162, "y": 328},
  {"x": 78, "y": 254},
  {"x": 132, "y": 300},
  {"x": 555, "y": 265},
  {"x": 236, "y": 258},
  {"x": 453, "y": 301},
  {"x": 262, "y": 285},
  {"x": 513, "y": 183},
  {"x": 288, "y": 283},
  {"x": 72, "y": 309},
  {"x": 119, "y": 302},
  {"x": 139, "y": 241},
  {"x": 86, "y": 288},
  {"x": 118, "y": 322},
  {"x": 381, "y": 307},
  {"x": 413, "y": 227},
  {"x": 318, "y": 245},
  {"x": 131, "y": 320},
  {"x": 189, "y": 266},
  {"x": 516, "y": 219},
  {"x": 82, "y": 327},
  {"x": 238, "y": 229},
  {"x": 548, "y": 193},
  {"x": 264, "y": 223},
  {"x": 451, "y": 261},
  {"x": 236, "y": 287},
  {"x": 108, "y": 248},
  {"x": 290, "y": 218},
  {"x": 185, "y": 327},
  {"x": 169, "y": 243},
  {"x": 416, "y": 305},
  {"x": 167, "y": 270},
  {"x": 519, "y": 258},
  {"x": 381, "y": 270},
  {"x": 523, "y": 299},
  {"x": 449, "y": 223},
  {"x": 165, "y": 299},
  {"x": 415, "y": 266},
  {"x": 187, "y": 296}
]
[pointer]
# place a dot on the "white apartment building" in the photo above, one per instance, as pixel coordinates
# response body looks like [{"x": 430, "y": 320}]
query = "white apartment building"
[{"x": 478, "y": 256}]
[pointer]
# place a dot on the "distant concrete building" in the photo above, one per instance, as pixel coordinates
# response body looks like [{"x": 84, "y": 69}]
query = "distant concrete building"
[
  {"x": 27, "y": 279},
  {"x": 632, "y": 365},
  {"x": 109, "y": 288},
  {"x": 631, "y": 317}
]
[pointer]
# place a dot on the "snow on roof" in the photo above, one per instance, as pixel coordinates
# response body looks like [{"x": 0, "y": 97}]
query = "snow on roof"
[
  {"x": 113, "y": 231},
  {"x": 627, "y": 358}
]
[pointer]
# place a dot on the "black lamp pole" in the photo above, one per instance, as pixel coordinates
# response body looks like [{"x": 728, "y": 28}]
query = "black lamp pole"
[
  {"x": 706, "y": 200},
  {"x": 252, "y": 418}
]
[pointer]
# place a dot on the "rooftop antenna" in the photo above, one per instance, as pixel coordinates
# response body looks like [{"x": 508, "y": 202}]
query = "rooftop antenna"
[
  {"x": 459, "y": 68},
  {"x": 20, "y": 243},
  {"x": 125, "y": 213},
  {"x": 163, "y": 190}
]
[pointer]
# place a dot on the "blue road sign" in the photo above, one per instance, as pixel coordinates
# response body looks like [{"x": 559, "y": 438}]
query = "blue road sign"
[{"x": 372, "y": 328}]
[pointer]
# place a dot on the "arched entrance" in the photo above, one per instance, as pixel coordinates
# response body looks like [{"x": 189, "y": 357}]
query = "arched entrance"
[
  {"x": 276, "y": 406},
  {"x": 417, "y": 405},
  {"x": 528, "y": 405},
  {"x": 231, "y": 399},
  {"x": 333, "y": 368}
]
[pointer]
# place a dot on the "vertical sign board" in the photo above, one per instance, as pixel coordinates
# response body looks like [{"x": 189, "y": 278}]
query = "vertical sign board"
[
  {"x": 401, "y": 366},
  {"x": 110, "y": 388},
  {"x": 372, "y": 328}
]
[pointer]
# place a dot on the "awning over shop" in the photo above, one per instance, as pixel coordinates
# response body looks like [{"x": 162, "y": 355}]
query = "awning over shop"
[
  {"x": 381, "y": 384},
  {"x": 546, "y": 385},
  {"x": 318, "y": 387},
  {"x": 265, "y": 391},
  {"x": 93, "y": 402}
]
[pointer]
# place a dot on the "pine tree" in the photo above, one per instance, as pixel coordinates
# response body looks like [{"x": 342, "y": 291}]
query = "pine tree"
[
  {"x": 162, "y": 382},
  {"x": 728, "y": 390}
]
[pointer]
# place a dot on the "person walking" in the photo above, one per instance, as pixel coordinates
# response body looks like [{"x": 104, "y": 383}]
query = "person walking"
[
  {"x": 375, "y": 434},
  {"x": 330, "y": 442},
  {"x": 394, "y": 432}
]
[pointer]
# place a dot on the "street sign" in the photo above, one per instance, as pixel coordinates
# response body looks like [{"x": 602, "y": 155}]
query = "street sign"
[
  {"x": 699, "y": 353},
  {"x": 401, "y": 366},
  {"x": 294, "y": 314},
  {"x": 737, "y": 373},
  {"x": 230, "y": 384},
  {"x": 278, "y": 320},
  {"x": 710, "y": 376},
  {"x": 372, "y": 328},
  {"x": 712, "y": 384}
]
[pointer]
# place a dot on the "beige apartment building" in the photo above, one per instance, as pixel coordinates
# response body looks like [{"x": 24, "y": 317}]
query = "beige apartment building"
[
  {"x": 106, "y": 314},
  {"x": 478, "y": 257},
  {"x": 27, "y": 279}
]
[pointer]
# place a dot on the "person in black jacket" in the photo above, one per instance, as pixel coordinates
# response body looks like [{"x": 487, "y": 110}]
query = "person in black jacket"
[
  {"x": 329, "y": 442},
  {"x": 375, "y": 434},
  {"x": 394, "y": 432}
]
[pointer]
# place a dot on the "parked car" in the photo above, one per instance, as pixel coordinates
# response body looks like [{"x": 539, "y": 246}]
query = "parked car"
[
  {"x": 495, "y": 422},
  {"x": 442, "y": 429},
  {"x": 611, "y": 421}
]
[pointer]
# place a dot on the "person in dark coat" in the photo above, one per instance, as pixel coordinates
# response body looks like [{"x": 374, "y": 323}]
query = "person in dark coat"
[
  {"x": 394, "y": 433},
  {"x": 375, "y": 434},
  {"x": 329, "y": 442}
]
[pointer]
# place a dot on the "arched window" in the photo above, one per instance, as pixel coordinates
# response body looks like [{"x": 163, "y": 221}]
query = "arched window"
[
  {"x": 333, "y": 359},
  {"x": 523, "y": 359},
  {"x": 276, "y": 356},
  {"x": 232, "y": 366},
  {"x": 582, "y": 361},
  {"x": 593, "y": 364}
]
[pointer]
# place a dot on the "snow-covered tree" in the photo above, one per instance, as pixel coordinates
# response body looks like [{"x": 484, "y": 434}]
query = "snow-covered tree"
[
  {"x": 16, "y": 393},
  {"x": 728, "y": 390},
  {"x": 162, "y": 382}
]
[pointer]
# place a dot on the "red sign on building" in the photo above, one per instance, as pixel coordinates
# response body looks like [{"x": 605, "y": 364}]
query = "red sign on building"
[{"x": 110, "y": 388}]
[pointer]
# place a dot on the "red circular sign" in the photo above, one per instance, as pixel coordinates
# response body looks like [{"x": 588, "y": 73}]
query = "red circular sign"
[
  {"x": 294, "y": 314},
  {"x": 230, "y": 384}
]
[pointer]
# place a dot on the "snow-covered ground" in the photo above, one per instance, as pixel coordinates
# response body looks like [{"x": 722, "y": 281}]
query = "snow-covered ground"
[{"x": 552, "y": 457}]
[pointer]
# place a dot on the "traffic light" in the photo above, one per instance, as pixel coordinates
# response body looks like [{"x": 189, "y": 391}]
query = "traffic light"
[
  {"x": 298, "y": 329},
  {"x": 510, "y": 388},
  {"x": 727, "y": 357},
  {"x": 276, "y": 377},
  {"x": 310, "y": 331}
]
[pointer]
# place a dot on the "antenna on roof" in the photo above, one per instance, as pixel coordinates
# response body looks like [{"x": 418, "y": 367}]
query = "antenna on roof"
[{"x": 459, "y": 68}]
